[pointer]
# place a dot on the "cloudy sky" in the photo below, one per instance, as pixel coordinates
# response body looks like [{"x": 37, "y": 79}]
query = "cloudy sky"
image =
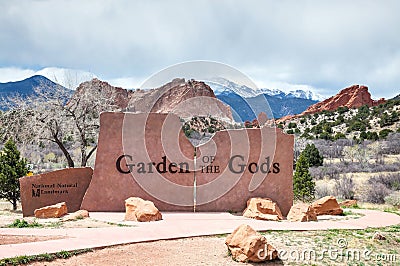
[{"x": 326, "y": 45}]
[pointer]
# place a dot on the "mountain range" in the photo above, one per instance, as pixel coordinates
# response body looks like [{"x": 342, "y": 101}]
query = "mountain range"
[
  {"x": 245, "y": 102},
  {"x": 25, "y": 88},
  {"x": 222, "y": 85}
]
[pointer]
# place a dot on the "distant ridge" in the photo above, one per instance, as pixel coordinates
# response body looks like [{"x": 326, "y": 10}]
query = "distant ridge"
[{"x": 25, "y": 88}]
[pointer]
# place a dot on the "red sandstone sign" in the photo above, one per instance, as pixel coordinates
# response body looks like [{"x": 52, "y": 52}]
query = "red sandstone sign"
[
  {"x": 148, "y": 156},
  {"x": 68, "y": 185}
]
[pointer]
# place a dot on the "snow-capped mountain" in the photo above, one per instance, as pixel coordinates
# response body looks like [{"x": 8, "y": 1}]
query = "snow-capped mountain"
[
  {"x": 224, "y": 86},
  {"x": 221, "y": 85},
  {"x": 68, "y": 78}
]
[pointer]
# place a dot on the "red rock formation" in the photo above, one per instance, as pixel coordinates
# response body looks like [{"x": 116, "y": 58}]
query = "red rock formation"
[
  {"x": 120, "y": 95},
  {"x": 352, "y": 97},
  {"x": 184, "y": 98}
]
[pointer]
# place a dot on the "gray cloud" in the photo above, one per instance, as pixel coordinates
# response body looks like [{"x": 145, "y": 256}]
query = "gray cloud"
[{"x": 325, "y": 44}]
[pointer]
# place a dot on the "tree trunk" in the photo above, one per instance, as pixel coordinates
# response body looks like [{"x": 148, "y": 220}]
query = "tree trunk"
[
  {"x": 86, "y": 158},
  {"x": 65, "y": 152},
  {"x": 83, "y": 157},
  {"x": 14, "y": 203}
]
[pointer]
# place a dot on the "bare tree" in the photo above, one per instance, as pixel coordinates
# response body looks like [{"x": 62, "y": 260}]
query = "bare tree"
[{"x": 53, "y": 115}]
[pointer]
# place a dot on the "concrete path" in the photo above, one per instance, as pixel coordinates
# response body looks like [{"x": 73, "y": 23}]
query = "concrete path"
[{"x": 173, "y": 225}]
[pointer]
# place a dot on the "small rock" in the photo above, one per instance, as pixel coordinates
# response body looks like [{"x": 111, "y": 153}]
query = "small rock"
[
  {"x": 245, "y": 244},
  {"x": 141, "y": 210},
  {"x": 52, "y": 211},
  {"x": 262, "y": 209},
  {"x": 302, "y": 212},
  {"x": 81, "y": 214},
  {"x": 348, "y": 203},
  {"x": 378, "y": 236},
  {"x": 327, "y": 206}
]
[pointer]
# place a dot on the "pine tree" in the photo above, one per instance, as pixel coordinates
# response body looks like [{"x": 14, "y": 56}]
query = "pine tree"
[
  {"x": 12, "y": 167},
  {"x": 303, "y": 184},
  {"x": 312, "y": 154}
]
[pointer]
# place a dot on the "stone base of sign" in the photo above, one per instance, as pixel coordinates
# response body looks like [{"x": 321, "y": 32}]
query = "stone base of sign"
[{"x": 67, "y": 185}]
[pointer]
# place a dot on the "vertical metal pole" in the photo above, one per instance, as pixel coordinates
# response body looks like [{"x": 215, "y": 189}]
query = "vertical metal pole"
[{"x": 194, "y": 180}]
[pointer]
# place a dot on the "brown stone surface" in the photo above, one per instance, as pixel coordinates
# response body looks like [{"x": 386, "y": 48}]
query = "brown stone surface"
[
  {"x": 245, "y": 244},
  {"x": 140, "y": 136},
  {"x": 52, "y": 211},
  {"x": 262, "y": 209},
  {"x": 149, "y": 137},
  {"x": 68, "y": 185},
  {"x": 81, "y": 214},
  {"x": 255, "y": 145},
  {"x": 302, "y": 212},
  {"x": 348, "y": 203},
  {"x": 327, "y": 206},
  {"x": 141, "y": 210},
  {"x": 354, "y": 96}
]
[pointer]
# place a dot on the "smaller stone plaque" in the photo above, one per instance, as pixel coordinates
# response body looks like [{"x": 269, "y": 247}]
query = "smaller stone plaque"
[{"x": 68, "y": 185}]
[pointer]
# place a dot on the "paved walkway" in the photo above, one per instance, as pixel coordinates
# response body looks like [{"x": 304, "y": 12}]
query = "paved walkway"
[{"x": 173, "y": 225}]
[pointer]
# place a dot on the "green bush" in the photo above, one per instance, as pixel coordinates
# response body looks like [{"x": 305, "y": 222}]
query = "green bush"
[
  {"x": 23, "y": 224},
  {"x": 342, "y": 109},
  {"x": 339, "y": 135},
  {"x": 384, "y": 133},
  {"x": 356, "y": 125},
  {"x": 290, "y": 131},
  {"x": 393, "y": 199}
]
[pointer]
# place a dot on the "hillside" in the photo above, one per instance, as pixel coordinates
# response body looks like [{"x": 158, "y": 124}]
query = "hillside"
[
  {"x": 25, "y": 88},
  {"x": 360, "y": 123}
]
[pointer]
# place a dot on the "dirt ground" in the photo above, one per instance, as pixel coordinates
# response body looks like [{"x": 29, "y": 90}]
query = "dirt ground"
[
  {"x": 10, "y": 239},
  {"x": 189, "y": 251}
]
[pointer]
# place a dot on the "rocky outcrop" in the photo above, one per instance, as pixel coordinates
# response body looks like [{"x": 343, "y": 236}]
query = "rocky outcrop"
[
  {"x": 81, "y": 214},
  {"x": 262, "y": 209},
  {"x": 52, "y": 211},
  {"x": 140, "y": 210},
  {"x": 302, "y": 212},
  {"x": 183, "y": 98},
  {"x": 348, "y": 203},
  {"x": 352, "y": 97},
  {"x": 120, "y": 97},
  {"x": 327, "y": 206},
  {"x": 245, "y": 244}
]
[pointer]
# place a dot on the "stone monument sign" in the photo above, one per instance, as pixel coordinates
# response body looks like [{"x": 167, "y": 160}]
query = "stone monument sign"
[
  {"x": 68, "y": 185},
  {"x": 148, "y": 156}
]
